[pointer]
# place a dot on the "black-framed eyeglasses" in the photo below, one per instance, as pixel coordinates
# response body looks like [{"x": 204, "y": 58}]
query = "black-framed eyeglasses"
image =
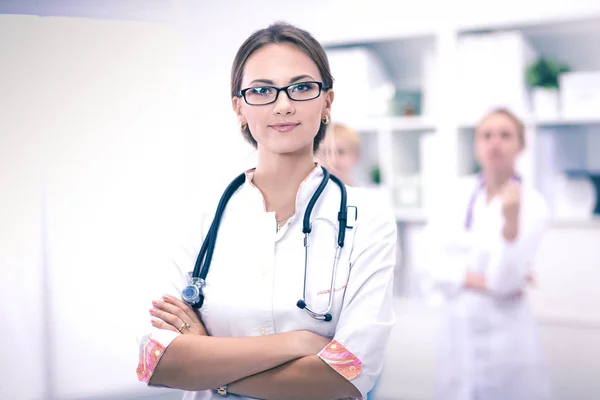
[{"x": 263, "y": 95}]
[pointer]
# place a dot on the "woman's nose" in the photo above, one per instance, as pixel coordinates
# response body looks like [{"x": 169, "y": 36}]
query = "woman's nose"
[{"x": 283, "y": 105}]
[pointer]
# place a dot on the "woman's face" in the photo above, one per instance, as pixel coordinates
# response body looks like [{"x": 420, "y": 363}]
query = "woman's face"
[
  {"x": 339, "y": 154},
  {"x": 497, "y": 143},
  {"x": 285, "y": 126}
]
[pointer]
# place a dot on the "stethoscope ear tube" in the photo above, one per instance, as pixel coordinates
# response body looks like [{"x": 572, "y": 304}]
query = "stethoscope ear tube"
[
  {"x": 208, "y": 247},
  {"x": 306, "y": 228},
  {"x": 192, "y": 294}
]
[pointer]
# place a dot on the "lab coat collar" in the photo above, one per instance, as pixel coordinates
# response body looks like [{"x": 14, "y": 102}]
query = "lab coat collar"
[{"x": 305, "y": 191}]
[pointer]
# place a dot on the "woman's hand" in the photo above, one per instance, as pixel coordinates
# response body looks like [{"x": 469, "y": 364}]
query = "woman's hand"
[
  {"x": 475, "y": 281},
  {"x": 174, "y": 315},
  {"x": 530, "y": 281},
  {"x": 510, "y": 196},
  {"x": 511, "y": 206}
]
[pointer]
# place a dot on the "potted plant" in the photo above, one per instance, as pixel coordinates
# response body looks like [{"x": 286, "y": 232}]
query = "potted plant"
[
  {"x": 375, "y": 174},
  {"x": 543, "y": 77}
]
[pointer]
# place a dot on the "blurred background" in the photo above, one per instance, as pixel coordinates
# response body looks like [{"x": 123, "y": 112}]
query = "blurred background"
[{"x": 116, "y": 124}]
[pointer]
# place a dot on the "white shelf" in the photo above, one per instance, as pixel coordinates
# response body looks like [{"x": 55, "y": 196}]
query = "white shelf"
[
  {"x": 417, "y": 215},
  {"x": 411, "y": 215},
  {"x": 410, "y": 124},
  {"x": 415, "y": 123},
  {"x": 564, "y": 122},
  {"x": 572, "y": 223},
  {"x": 547, "y": 123}
]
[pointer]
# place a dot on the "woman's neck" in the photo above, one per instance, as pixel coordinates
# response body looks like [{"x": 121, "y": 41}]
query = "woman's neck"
[
  {"x": 279, "y": 176},
  {"x": 495, "y": 181},
  {"x": 345, "y": 178}
]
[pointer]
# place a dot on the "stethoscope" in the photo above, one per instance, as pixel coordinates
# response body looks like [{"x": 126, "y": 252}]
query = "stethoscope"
[
  {"x": 480, "y": 185},
  {"x": 193, "y": 295}
]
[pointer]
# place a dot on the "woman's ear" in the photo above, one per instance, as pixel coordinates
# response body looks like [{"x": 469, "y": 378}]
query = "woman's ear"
[
  {"x": 236, "y": 104},
  {"x": 328, "y": 101},
  {"x": 237, "y": 108}
]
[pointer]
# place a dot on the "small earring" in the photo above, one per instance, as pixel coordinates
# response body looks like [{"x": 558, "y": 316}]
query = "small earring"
[
  {"x": 243, "y": 126},
  {"x": 325, "y": 120}
]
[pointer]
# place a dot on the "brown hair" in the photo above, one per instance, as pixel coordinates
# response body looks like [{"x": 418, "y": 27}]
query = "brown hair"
[
  {"x": 281, "y": 32},
  {"x": 510, "y": 115}
]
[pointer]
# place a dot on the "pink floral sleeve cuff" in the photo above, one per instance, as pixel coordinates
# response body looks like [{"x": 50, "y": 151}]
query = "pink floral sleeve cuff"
[
  {"x": 341, "y": 360},
  {"x": 150, "y": 353}
]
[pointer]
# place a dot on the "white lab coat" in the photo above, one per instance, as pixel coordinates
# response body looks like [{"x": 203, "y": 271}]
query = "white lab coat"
[
  {"x": 488, "y": 344},
  {"x": 257, "y": 274}
]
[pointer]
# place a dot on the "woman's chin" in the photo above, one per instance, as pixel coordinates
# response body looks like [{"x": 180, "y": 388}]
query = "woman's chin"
[{"x": 290, "y": 148}]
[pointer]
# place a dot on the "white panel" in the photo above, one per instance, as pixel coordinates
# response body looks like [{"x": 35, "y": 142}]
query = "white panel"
[
  {"x": 491, "y": 74},
  {"x": 22, "y": 344},
  {"x": 568, "y": 270},
  {"x": 116, "y": 113}
]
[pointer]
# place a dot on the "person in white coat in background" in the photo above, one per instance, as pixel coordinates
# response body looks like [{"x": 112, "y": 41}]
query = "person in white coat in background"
[
  {"x": 483, "y": 239},
  {"x": 340, "y": 153},
  {"x": 291, "y": 309}
]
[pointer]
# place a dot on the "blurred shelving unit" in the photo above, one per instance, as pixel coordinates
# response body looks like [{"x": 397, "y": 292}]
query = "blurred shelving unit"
[
  {"x": 416, "y": 99},
  {"x": 417, "y": 126},
  {"x": 389, "y": 96}
]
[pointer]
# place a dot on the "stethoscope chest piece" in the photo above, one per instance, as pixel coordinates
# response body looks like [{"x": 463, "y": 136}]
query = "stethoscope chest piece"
[{"x": 192, "y": 293}]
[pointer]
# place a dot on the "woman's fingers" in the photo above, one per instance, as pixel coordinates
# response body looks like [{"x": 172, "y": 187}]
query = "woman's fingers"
[
  {"x": 171, "y": 312},
  {"x": 171, "y": 309},
  {"x": 160, "y": 324},
  {"x": 184, "y": 307},
  {"x": 165, "y": 312}
]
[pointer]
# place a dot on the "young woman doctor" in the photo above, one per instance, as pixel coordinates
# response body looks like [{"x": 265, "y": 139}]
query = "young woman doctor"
[
  {"x": 250, "y": 339},
  {"x": 483, "y": 241}
]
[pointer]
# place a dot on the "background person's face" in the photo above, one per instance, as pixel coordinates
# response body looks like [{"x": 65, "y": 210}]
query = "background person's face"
[{"x": 497, "y": 143}]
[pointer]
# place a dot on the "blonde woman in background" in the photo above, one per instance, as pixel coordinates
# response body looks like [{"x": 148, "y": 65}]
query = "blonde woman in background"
[
  {"x": 340, "y": 152},
  {"x": 482, "y": 241}
]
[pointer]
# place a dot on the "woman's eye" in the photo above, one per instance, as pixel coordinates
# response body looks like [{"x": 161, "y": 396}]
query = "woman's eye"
[
  {"x": 261, "y": 91},
  {"x": 302, "y": 87}
]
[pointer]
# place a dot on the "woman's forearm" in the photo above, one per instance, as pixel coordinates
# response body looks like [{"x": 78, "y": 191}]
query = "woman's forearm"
[
  {"x": 475, "y": 281},
  {"x": 304, "y": 378},
  {"x": 194, "y": 362}
]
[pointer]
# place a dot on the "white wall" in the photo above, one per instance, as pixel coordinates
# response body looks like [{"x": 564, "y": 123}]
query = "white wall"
[
  {"x": 96, "y": 113},
  {"x": 115, "y": 183},
  {"x": 23, "y": 346}
]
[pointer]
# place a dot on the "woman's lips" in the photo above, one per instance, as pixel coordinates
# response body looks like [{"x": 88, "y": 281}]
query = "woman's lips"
[{"x": 287, "y": 127}]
